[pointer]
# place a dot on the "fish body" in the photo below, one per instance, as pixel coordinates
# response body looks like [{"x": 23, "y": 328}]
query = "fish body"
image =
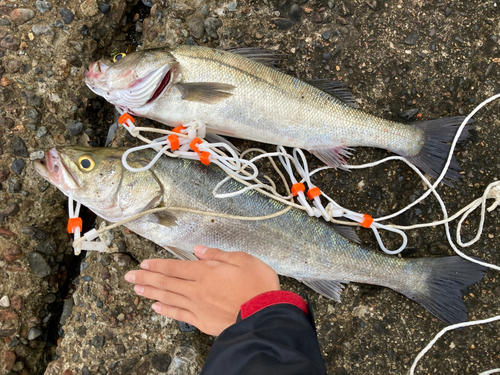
[
  {"x": 239, "y": 97},
  {"x": 293, "y": 244}
]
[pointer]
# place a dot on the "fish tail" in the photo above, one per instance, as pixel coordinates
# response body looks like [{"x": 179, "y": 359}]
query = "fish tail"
[
  {"x": 432, "y": 157},
  {"x": 441, "y": 292}
]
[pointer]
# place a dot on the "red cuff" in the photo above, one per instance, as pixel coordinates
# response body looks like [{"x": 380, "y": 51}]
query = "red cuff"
[{"x": 274, "y": 297}]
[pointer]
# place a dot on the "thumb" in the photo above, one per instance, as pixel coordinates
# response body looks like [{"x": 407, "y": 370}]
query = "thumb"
[{"x": 209, "y": 253}]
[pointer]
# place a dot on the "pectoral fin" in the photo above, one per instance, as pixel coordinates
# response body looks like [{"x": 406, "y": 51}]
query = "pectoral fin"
[
  {"x": 167, "y": 219},
  {"x": 328, "y": 288},
  {"x": 205, "y": 92}
]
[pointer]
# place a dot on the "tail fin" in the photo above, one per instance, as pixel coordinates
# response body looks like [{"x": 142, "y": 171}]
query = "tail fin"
[
  {"x": 434, "y": 153},
  {"x": 446, "y": 278}
]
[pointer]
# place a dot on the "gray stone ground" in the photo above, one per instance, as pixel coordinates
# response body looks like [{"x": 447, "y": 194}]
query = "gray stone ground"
[{"x": 401, "y": 59}]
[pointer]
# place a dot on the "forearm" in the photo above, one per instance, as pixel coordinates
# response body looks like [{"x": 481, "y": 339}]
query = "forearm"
[{"x": 273, "y": 335}]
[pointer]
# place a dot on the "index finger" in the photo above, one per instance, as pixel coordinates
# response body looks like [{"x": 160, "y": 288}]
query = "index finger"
[{"x": 182, "y": 269}]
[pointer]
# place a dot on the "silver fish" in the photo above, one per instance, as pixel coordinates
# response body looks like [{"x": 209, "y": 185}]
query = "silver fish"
[
  {"x": 294, "y": 244},
  {"x": 236, "y": 94}
]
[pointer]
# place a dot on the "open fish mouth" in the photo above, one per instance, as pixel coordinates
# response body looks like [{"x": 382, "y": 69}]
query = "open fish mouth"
[
  {"x": 56, "y": 172},
  {"x": 94, "y": 74},
  {"x": 143, "y": 91}
]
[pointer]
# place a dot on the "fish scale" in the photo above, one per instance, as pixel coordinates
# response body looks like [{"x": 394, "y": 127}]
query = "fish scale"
[
  {"x": 312, "y": 248},
  {"x": 302, "y": 112},
  {"x": 293, "y": 244}
]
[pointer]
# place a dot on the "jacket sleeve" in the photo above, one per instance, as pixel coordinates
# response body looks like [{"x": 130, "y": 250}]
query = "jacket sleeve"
[{"x": 274, "y": 334}]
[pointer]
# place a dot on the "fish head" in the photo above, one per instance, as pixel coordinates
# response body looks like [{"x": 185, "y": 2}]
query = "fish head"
[
  {"x": 134, "y": 81},
  {"x": 90, "y": 176},
  {"x": 96, "y": 178}
]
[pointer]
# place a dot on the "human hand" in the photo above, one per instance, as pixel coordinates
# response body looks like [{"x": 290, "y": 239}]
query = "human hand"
[{"x": 207, "y": 293}]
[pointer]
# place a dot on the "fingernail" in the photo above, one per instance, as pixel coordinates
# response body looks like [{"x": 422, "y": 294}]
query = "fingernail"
[
  {"x": 139, "y": 289},
  {"x": 200, "y": 249},
  {"x": 145, "y": 265},
  {"x": 130, "y": 277},
  {"x": 156, "y": 307}
]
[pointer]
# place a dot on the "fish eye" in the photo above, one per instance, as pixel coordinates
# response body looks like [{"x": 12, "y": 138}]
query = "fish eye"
[
  {"x": 86, "y": 163},
  {"x": 119, "y": 56}
]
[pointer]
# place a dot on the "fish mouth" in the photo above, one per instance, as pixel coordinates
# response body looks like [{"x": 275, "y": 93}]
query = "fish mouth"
[
  {"x": 96, "y": 70},
  {"x": 141, "y": 92},
  {"x": 94, "y": 75},
  {"x": 54, "y": 170}
]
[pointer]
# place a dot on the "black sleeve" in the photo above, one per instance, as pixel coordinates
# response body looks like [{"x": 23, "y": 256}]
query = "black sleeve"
[{"x": 278, "y": 339}]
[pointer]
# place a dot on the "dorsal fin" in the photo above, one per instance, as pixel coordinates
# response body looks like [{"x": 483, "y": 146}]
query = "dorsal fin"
[
  {"x": 261, "y": 55},
  {"x": 337, "y": 89}
]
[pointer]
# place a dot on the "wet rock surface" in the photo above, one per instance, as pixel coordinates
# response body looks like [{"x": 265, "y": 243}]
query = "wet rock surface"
[
  {"x": 135, "y": 339},
  {"x": 76, "y": 315}
]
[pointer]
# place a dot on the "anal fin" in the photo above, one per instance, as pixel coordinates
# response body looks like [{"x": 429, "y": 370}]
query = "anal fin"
[
  {"x": 327, "y": 288},
  {"x": 333, "y": 157},
  {"x": 216, "y": 138}
]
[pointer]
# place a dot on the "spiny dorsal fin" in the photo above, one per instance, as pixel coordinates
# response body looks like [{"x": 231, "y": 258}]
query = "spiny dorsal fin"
[
  {"x": 337, "y": 89},
  {"x": 328, "y": 288},
  {"x": 205, "y": 92},
  {"x": 181, "y": 254},
  {"x": 261, "y": 55}
]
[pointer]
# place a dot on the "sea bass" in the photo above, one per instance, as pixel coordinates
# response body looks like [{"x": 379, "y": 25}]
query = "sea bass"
[
  {"x": 293, "y": 244},
  {"x": 236, "y": 95}
]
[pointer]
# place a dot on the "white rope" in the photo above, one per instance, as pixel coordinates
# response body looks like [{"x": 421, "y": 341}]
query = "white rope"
[
  {"x": 236, "y": 169},
  {"x": 491, "y": 192},
  {"x": 489, "y": 372},
  {"x": 86, "y": 242},
  {"x": 443, "y": 331}
]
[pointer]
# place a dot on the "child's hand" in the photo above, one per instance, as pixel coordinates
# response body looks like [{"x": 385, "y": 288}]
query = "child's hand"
[{"x": 207, "y": 293}]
